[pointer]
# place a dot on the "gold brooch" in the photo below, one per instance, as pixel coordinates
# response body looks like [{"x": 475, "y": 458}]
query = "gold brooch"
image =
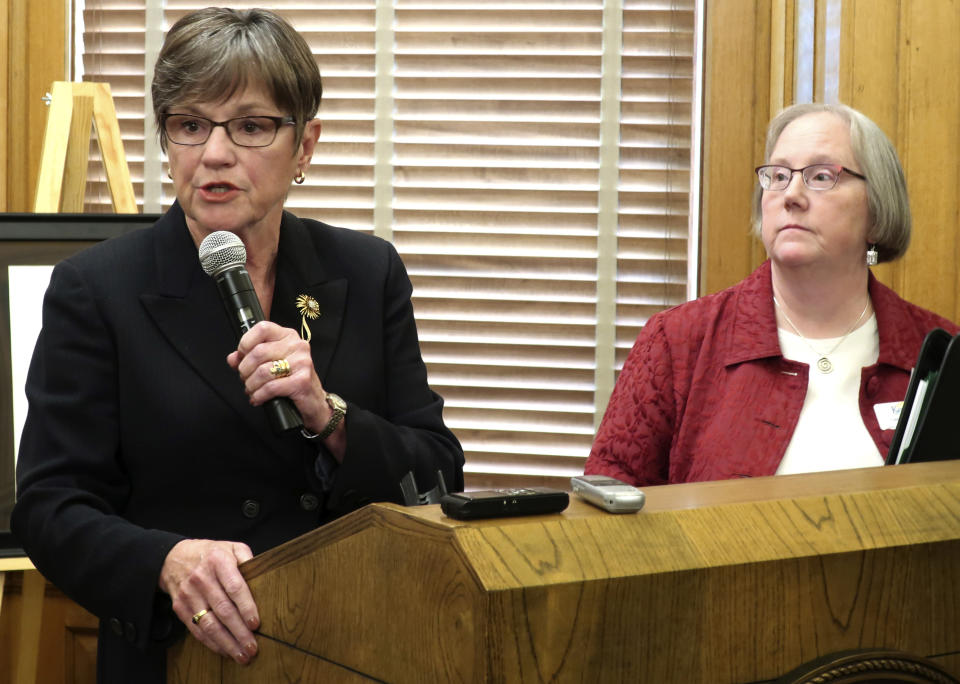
[{"x": 308, "y": 308}]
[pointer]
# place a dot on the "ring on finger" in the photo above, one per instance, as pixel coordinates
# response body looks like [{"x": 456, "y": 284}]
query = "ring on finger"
[
  {"x": 198, "y": 616},
  {"x": 280, "y": 368}
]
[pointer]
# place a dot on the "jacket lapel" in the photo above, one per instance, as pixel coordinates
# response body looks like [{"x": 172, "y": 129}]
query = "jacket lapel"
[
  {"x": 301, "y": 271},
  {"x": 753, "y": 333},
  {"x": 187, "y": 309}
]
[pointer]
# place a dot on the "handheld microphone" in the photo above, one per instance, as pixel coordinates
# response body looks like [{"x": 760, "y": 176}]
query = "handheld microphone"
[{"x": 224, "y": 258}]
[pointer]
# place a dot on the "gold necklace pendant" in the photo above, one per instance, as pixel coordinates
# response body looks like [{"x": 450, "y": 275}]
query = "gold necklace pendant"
[{"x": 824, "y": 365}]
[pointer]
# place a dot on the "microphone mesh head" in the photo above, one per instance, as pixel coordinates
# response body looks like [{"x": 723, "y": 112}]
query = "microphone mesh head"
[{"x": 221, "y": 250}]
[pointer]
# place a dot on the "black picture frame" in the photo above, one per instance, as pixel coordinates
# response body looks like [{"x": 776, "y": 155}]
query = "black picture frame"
[{"x": 39, "y": 240}]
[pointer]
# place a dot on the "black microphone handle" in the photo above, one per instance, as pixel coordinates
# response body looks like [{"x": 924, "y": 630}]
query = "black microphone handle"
[
  {"x": 243, "y": 308},
  {"x": 283, "y": 415}
]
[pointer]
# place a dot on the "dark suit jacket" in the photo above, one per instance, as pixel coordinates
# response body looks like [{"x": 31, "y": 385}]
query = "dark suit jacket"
[{"x": 139, "y": 434}]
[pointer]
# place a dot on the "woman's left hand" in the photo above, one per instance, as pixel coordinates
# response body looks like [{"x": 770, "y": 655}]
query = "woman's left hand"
[
  {"x": 266, "y": 343},
  {"x": 210, "y": 595}
]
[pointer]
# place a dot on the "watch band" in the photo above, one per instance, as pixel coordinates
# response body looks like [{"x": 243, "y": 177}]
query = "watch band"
[{"x": 339, "y": 408}]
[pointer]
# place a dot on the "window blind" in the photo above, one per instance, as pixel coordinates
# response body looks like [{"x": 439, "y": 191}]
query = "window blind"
[{"x": 530, "y": 160}]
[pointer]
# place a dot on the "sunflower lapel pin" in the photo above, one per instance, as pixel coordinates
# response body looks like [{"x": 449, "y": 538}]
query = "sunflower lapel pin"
[{"x": 308, "y": 308}]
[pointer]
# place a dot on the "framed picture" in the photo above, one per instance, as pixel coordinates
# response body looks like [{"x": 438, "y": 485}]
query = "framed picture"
[{"x": 30, "y": 246}]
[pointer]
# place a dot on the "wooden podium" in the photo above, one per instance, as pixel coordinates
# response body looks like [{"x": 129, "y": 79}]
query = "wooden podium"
[{"x": 721, "y": 582}]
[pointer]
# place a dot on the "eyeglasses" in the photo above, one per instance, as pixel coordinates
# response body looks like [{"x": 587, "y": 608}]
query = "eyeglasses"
[
  {"x": 245, "y": 131},
  {"x": 815, "y": 176}
]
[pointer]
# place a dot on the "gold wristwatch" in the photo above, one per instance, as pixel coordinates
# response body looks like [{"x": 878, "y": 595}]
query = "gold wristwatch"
[{"x": 339, "y": 407}]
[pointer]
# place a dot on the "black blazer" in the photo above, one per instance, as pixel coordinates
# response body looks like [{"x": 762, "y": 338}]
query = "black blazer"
[{"x": 139, "y": 434}]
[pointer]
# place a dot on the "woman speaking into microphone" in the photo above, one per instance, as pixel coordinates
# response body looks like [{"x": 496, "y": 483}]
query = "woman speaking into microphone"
[{"x": 148, "y": 467}]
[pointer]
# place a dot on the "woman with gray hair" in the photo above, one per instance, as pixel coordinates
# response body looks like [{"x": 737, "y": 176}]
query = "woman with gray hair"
[
  {"x": 801, "y": 366},
  {"x": 147, "y": 473}
]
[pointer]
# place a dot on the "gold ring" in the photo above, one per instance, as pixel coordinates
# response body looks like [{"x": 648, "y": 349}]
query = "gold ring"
[
  {"x": 196, "y": 618},
  {"x": 280, "y": 368}
]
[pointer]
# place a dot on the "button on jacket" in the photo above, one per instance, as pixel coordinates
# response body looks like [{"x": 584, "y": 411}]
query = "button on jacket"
[{"x": 706, "y": 394}]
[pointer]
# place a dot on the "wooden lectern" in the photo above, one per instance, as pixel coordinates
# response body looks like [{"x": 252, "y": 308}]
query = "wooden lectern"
[{"x": 721, "y": 582}]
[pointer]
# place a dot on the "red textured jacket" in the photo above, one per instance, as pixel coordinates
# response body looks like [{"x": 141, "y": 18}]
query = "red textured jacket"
[{"x": 705, "y": 393}]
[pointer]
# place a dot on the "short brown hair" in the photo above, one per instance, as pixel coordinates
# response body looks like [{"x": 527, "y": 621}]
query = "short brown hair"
[{"x": 210, "y": 54}]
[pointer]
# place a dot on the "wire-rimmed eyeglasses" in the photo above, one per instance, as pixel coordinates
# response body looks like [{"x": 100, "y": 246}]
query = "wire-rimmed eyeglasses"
[
  {"x": 815, "y": 176},
  {"x": 245, "y": 131}
]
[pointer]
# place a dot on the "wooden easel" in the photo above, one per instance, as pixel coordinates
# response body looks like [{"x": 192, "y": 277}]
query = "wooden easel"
[{"x": 66, "y": 143}]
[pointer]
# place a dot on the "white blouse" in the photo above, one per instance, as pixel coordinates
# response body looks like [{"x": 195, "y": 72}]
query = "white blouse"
[{"x": 830, "y": 434}]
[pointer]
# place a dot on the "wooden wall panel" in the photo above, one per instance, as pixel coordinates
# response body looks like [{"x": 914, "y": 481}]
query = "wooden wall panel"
[
  {"x": 736, "y": 110},
  {"x": 34, "y": 44},
  {"x": 68, "y": 637},
  {"x": 929, "y": 143},
  {"x": 4, "y": 99},
  {"x": 869, "y": 81},
  {"x": 893, "y": 55}
]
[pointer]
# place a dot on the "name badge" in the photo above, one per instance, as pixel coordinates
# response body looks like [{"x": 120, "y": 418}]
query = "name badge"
[{"x": 888, "y": 414}]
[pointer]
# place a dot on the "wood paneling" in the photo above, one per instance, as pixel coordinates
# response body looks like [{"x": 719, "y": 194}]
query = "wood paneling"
[
  {"x": 929, "y": 140},
  {"x": 869, "y": 81},
  {"x": 4, "y": 99},
  {"x": 893, "y": 56},
  {"x": 68, "y": 637},
  {"x": 737, "y": 86},
  {"x": 34, "y": 54}
]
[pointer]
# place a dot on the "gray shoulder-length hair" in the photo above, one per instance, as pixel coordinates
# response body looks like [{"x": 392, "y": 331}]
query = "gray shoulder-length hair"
[
  {"x": 887, "y": 199},
  {"x": 213, "y": 53}
]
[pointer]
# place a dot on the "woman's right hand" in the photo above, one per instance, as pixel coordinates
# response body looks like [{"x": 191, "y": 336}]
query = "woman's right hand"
[{"x": 202, "y": 574}]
